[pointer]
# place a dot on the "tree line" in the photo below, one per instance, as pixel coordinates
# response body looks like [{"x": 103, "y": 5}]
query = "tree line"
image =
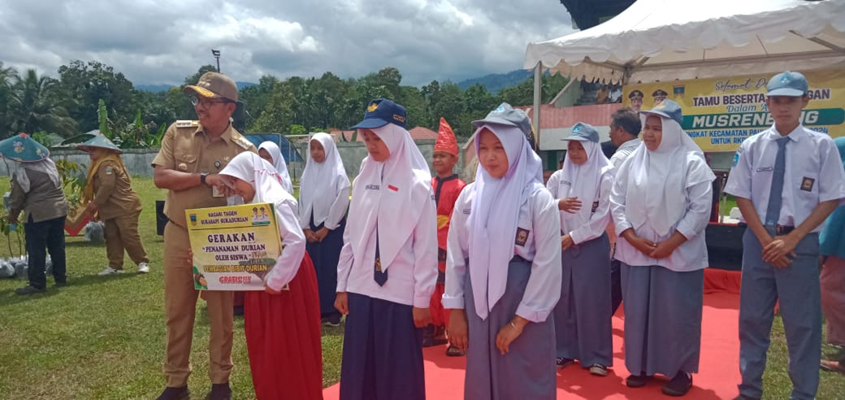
[{"x": 92, "y": 95}]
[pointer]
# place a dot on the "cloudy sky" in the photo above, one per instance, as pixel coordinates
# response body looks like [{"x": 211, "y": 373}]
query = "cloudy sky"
[{"x": 160, "y": 42}]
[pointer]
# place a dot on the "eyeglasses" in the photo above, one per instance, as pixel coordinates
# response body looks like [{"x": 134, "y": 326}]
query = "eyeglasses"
[{"x": 205, "y": 103}]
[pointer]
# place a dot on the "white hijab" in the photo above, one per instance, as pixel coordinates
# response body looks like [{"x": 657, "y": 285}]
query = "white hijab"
[
  {"x": 658, "y": 180},
  {"x": 495, "y": 215},
  {"x": 278, "y": 163},
  {"x": 256, "y": 171},
  {"x": 403, "y": 182},
  {"x": 321, "y": 182},
  {"x": 584, "y": 183},
  {"x": 46, "y": 166}
]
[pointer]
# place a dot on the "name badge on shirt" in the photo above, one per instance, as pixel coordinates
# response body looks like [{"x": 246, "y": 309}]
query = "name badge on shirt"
[
  {"x": 807, "y": 184},
  {"x": 521, "y": 236},
  {"x": 466, "y": 211},
  {"x": 766, "y": 169},
  {"x": 372, "y": 187}
]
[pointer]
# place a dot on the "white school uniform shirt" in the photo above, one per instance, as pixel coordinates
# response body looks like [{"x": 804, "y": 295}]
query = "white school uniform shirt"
[
  {"x": 539, "y": 217},
  {"x": 293, "y": 239},
  {"x": 268, "y": 189},
  {"x": 689, "y": 256},
  {"x": 336, "y": 213},
  {"x": 814, "y": 173},
  {"x": 411, "y": 275},
  {"x": 623, "y": 152},
  {"x": 599, "y": 219}
]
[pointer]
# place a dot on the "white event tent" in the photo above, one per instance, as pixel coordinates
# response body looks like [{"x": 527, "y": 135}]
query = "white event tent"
[{"x": 666, "y": 40}]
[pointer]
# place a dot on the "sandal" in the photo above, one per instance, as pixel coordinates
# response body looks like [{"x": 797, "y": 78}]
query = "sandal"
[
  {"x": 453, "y": 351},
  {"x": 832, "y": 366}
]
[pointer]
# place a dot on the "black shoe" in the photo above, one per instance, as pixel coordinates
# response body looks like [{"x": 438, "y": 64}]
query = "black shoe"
[
  {"x": 562, "y": 362},
  {"x": 60, "y": 284},
  {"x": 635, "y": 381},
  {"x": 333, "y": 321},
  {"x": 220, "y": 391},
  {"x": 29, "y": 290},
  {"x": 239, "y": 310},
  {"x": 428, "y": 336},
  {"x": 679, "y": 385},
  {"x": 175, "y": 393}
]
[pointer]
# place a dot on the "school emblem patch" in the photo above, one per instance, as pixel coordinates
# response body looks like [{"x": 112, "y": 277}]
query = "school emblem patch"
[
  {"x": 807, "y": 184},
  {"x": 521, "y": 236}
]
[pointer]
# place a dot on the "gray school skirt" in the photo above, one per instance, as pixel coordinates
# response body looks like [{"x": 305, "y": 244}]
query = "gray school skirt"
[
  {"x": 528, "y": 370},
  {"x": 662, "y": 319}
]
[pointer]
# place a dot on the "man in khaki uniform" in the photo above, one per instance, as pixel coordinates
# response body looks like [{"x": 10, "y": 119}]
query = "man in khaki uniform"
[
  {"x": 191, "y": 156},
  {"x": 109, "y": 195}
]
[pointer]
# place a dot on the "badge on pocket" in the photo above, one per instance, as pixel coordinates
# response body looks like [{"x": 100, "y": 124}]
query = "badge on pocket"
[
  {"x": 521, "y": 236},
  {"x": 807, "y": 184}
]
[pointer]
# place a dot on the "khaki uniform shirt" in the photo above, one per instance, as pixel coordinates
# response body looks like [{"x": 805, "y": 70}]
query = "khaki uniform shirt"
[
  {"x": 113, "y": 193},
  {"x": 43, "y": 202},
  {"x": 186, "y": 148}
]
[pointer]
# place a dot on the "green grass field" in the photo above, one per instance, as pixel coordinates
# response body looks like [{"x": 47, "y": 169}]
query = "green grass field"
[{"x": 103, "y": 337}]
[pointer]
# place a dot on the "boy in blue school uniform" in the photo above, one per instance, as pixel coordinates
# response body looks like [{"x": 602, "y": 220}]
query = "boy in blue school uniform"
[{"x": 787, "y": 180}]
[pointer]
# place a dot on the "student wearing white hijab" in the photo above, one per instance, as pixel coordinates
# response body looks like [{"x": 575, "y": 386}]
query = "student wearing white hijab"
[
  {"x": 503, "y": 271},
  {"x": 661, "y": 205},
  {"x": 388, "y": 264},
  {"x": 271, "y": 152},
  {"x": 281, "y": 323},
  {"x": 323, "y": 201},
  {"x": 583, "y": 314}
]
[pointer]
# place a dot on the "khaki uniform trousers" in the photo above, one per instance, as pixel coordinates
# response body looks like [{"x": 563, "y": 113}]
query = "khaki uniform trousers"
[
  {"x": 180, "y": 301},
  {"x": 122, "y": 234}
]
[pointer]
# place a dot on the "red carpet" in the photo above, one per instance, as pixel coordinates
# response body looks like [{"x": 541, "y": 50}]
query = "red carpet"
[{"x": 717, "y": 378}]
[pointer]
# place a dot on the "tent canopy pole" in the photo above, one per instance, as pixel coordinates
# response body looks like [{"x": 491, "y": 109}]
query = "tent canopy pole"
[{"x": 538, "y": 91}]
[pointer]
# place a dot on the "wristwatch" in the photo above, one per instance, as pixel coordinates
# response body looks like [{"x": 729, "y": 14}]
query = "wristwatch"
[{"x": 202, "y": 177}]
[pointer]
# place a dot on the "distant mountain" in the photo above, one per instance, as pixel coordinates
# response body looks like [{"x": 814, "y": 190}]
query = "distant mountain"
[
  {"x": 242, "y": 85},
  {"x": 496, "y": 82},
  {"x": 153, "y": 88},
  {"x": 162, "y": 88}
]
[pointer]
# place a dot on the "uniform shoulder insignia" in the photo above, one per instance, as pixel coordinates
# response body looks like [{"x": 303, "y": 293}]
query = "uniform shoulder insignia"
[
  {"x": 186, "y": 123},
  {"x": 243, "y": 142}
]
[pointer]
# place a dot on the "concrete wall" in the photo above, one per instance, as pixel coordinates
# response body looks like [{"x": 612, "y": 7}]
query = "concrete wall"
[
  {"x": 352, "y": 153},
  {"x": 138, "y": 161}
]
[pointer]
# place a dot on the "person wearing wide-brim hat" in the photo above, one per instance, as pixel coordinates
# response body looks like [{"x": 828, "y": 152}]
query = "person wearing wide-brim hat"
[
  {"x": 109, "y": 197},
  {"x": 37, "y": 190}
]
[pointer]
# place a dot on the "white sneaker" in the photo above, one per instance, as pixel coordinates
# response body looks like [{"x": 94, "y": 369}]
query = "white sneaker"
[
  {"x": 143, "y": 268},
  {"x": 110, "y": 271}
]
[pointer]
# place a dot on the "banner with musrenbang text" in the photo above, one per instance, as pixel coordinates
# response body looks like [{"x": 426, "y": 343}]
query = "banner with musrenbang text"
[
  {"x": 720, "y": 113},
  {"x": 234, "y": 247}
]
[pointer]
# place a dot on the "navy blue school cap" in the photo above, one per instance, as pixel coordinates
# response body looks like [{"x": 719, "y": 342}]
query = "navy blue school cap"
[
  {"x": 788, "y": 83},
  {"x": 381, "y": 112},
  {"x": 667, "y": 109},
  {"x": 582, "y": 132}
]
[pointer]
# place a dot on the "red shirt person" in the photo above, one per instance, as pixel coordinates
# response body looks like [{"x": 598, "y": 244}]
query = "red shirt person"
[{"x": 446, "y": 187}]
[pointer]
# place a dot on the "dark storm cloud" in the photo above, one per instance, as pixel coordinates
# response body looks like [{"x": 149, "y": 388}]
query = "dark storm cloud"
[{"x": 154, "y": 41}]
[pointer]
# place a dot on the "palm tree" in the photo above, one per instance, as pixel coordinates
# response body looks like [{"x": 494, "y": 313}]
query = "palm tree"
[
  {"x": 36, "y": 104},
  {"x": 6, "y": 76}
]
